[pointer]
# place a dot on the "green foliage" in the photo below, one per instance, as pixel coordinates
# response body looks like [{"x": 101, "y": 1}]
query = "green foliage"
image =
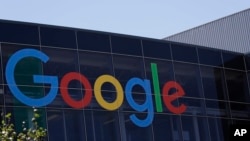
[{"x": 34, "y": 133}]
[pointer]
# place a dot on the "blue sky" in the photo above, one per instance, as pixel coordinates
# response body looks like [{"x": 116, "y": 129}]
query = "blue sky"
[{"x": 147, "y": 18}]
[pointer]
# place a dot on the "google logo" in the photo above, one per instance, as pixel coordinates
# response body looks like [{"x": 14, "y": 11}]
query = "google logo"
[{"x": 168, "y": 96}]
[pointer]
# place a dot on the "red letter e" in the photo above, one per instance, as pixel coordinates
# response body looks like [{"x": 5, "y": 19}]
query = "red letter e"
[{"x": 169, "y": 98}]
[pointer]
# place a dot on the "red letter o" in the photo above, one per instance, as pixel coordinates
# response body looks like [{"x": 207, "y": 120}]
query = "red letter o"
[{"x": 65, "y": 94}]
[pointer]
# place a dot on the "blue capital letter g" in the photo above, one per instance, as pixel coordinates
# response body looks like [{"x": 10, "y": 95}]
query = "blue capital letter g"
[{"x": 9, "y": 74}]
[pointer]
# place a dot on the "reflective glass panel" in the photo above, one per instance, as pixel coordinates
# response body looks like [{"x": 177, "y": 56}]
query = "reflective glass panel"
[
  {"x": 247, "y": 60},
  {"x": 194, "y": 106},
  {"x": 56, "y": 125},
  {"x": 184, "y": 53},
  {"x": 233, "y": 60},
  {"x": 90, "y": 130},
  {"x": 75, "y": 126},
  {"x": 19, "y": 33},
  {"x": 240, "y": 110},
  {"x": 128, "y": 67},
  {"x": 188, "y": 76},
  {"x": 213, "y": 83},
  {"x": 93, "y": 65},
  {"x": 217, "y": 108},
  {"x": 195, "y": 129},
  {"x": 105, "y": 125},
  {"x": 57, "y": 37},
  {"x": 167, "y": 128},
  {"x": 93, "y": 41},
  {"x": 156, "y": 49},
  {"x": 219, "y": 129},
  {"x": 237, "y": 86},
  {"x": 125, "y": 45},
  {"x": 210, "y": 57}
]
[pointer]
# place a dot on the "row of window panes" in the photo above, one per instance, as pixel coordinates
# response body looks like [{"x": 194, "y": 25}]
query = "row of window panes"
[
  {"x": 194, "y": 106},
  {"x": 66, "y": 38},
  {"x": 113, "y": 126}
]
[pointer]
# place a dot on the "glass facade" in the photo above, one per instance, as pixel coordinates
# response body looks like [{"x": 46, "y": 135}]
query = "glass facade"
[{"x": 215, "y": 82}]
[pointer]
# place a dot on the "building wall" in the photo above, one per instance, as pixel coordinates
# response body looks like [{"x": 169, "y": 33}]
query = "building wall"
[
  {"x": 230, "y": 33},
  {"x": 215, "y": 84}
]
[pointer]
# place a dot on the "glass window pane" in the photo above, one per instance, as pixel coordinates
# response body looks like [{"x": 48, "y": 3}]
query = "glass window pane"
[
  {"x": 210, "y": 57},
  {"x": 2, "y": 94},
  {"x": 187, "y": 75},
  {"x": 156, "y": 49},
  {"x": 93, "y": 41},
  {"x": 93, "y": 65},
  {"x": 194, "y": 106},
  {"x": 184, "y": 53},
  {"x": 58, "y": 37},
  {"x": 19, "y": 33},
  {"x": 233, "y": 60},
  {"x": 195, "y": 129},
  {"x": 237, "y": 86},
  {"x": 124, "y": 45},
  {"x": 134, "y": 132},
  {"x": 240, "y": 110},
  {"x": 213, "y": 83},
  {"x": 247, "y": 60},
  {"x": 105, "y": 125},
  {"x": 217, "y": 108},
  {"x": 56, "y": 125},
  {"x": 75, "y": 127},
  {"x": 90, "y": 130},
  {"x": 219, "y": 129},
  {"x": 162, "y": 128},
  {"x": 167, "y": 128},
  {"x": 128, "y": 67}
]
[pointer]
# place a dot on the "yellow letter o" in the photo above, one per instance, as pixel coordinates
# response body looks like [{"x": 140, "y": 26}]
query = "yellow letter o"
[{"x": 98, "y": 95}]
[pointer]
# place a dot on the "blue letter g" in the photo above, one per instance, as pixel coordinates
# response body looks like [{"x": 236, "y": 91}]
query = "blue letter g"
[{"x": 9, "y": 74}]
